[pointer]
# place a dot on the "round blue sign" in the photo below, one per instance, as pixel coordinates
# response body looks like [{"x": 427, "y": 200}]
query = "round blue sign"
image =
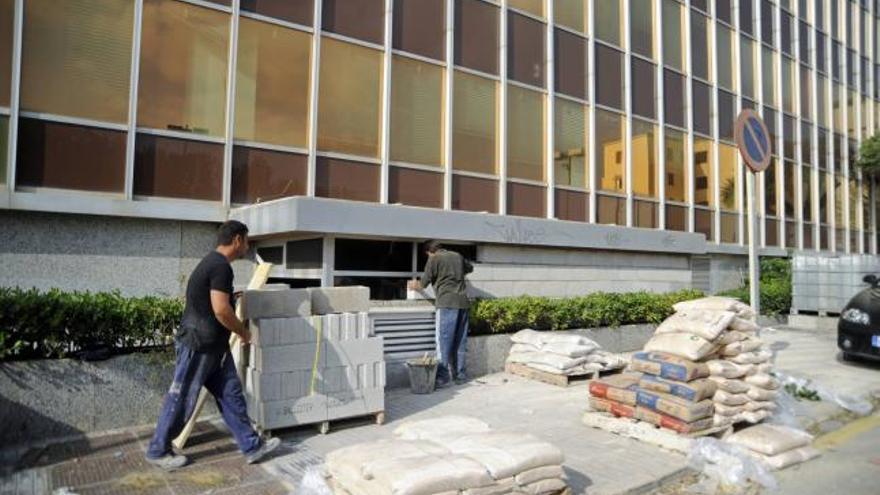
[{"x": 753, "y": 140}]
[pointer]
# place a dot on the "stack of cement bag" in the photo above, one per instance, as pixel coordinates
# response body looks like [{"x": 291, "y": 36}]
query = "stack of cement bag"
[
  {"x": 561, "y": 353},
  {"x": 777, "y": 446},
  {"x": 449, "y": 455}
]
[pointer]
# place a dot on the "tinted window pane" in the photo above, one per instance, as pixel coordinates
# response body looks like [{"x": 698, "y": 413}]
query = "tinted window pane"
[
  {"x": 676, "y": 218},
  {"x": 570, "y": 152},
  {"x": 571, "y": 64},
  {"x": 610, "y": 158},
  {"x": 768, "y": 15},
  {"x": 4, "y": 147},
  {"x": 806, "y": 142},
  {"x": 361, "y": 19},
  {"x": 699, "y": 46},
  {"x": 299, "y": 12},
  {"x": 645, "y": 214},
  {"x": 747, "y": 16},
  {"x": 474, "y": 194},
  {"x": 6, "y": 15},
  {"x": 789, "y": 182},
  {"x": 676, "y": 170},
  {"x": 610, "y": 210},
  {"x": 178, "y": 168},
  {"x": 261, "y": 175},
  {"x": 728, "y": 179},
  {"x": 672, "y": 38},
  {"x": 723, "y": 10},
  {"x": 525, "y": 131},
  {"x": 806, "y": 194},
  {"x": 378, "y": 256},
  {"x": 473, "y": 127},
  {"x": 345, "y": 179},
  {"x": 702, "y": 108},
  {"x": 68, "y": 156},
  {"x": 642, "y": 26},
  {"x": 608, "y": 20},
  {"x": 788, "y": 85},
  {"x": 674, "y": 98},
  {"x": 787, "y": 34},
  {"x": 704, "y": 223},
  {"x": 272, "y": 99},
  {"x": 418, "y": 27},
  {"x": 534, "y": 7},
  {"x": 726, "y": 115},
  {"x": 747, "y": 67},
  {"x": 644, "y": 159},
  {"x": 476, "y": 35},
  {"x": 571, "y": 14},
  {"x": 416, "y": 112},
  {"x": 183, "y": 68},
  {"x": 307, "y": 254},
  {"x": 415, "y": 187},
  {"x": 768, "y": 73},
  {"x": 76, "y": 58},
  {"x": 525, "y": 55},
  {"x": 571, "y": 205},
  {"x": 526, "y": 200},
  {"x": 725, "y": 57},
  {"x": 609, "y": 77},
  {"x": 643, "y": 100},
  {"x": 703, "y": 176},
  {"x": 770, "y": 189},
  {"x": 349, "y": 98}
]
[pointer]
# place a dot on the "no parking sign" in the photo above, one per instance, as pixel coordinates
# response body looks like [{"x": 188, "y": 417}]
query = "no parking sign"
[{"x": 753, "y": 140}]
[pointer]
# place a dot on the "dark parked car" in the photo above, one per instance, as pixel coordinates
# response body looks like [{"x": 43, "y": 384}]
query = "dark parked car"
[{"x": 858, "y": 330}]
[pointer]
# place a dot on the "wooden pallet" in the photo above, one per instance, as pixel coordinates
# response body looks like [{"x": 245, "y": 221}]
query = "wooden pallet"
[
  {"x": 552, "y": 378},
  {"x": 324, "y": 426}
]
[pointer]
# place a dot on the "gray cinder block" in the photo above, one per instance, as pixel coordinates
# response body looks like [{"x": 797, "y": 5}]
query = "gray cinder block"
[
  {"x": 285, "y": 413},
  {"x": 276, "y": 303},
  {"x": 355, "y": 403},
  {"x": 268, "y": 332},
  {"x": 295, "y": 357},
  {"x": 353, "y": 352},
  {"x": 327, "y": 300}
]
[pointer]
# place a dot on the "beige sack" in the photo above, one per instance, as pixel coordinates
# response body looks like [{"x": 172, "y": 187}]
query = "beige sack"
[
  {"x": 523, "y": 348},
  {"x": 444, "y": 426},
  {"x": 569, "y": 350},
  {"x": 705, "y": 324},
  {"x": 731, "y": 337},
  {"x": 763, "y": 380},
  {"x": 730, "y": 385},
  {"x": 753, "y": 417},
  {"x": 754, "y": 357},
  {"x": 728, "y": 399},
  {"x": 555, "y": 361},
  {"x": 720, "y": 421},
  {"x": 743, "y": 346},
  {"x": 722, "y": 410},
  {"x": 668, "y": 366},
  {"x": 538, "y": 474},
  {"x": 542, "y": 487},
  {"x": 727, "y": 369},
  {"x": 686, "y": 345},
  {"x": 501, "y": 487},
  {"x": 759, "y": 405},
  {"x": 761, "y": 394},
  {"x": 770, "y": 439},
  {"x": 744, "y": 325},
  {"x": 717, "y": 303},
  {"x": 430, "y": 474},
  {"x": 350, "y": 462},
  {"x": 790, "y": 458},
  {"x": 506, "y": 454}
]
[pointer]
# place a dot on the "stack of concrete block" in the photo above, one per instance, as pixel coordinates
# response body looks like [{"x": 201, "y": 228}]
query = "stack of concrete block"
[
  {"x": 824, "y": 284},
  {"x": 313, "y": 357}
]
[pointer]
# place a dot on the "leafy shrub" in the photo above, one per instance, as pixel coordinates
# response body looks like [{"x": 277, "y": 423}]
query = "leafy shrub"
[
  {"x": 594, "y": 310},
  {"x": 54, "y": 323},
  {"x": 775, "y": 287}
]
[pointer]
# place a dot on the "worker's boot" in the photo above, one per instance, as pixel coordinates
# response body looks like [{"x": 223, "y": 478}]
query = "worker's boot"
[
  {"x": 268, "y": 446},
  {"x": 169, "y": 462}
]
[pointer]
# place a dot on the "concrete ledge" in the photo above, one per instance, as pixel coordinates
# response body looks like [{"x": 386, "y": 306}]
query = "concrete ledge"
[
  {"x": 327, "y": 300},
  {"x": 824, "y": 323}
]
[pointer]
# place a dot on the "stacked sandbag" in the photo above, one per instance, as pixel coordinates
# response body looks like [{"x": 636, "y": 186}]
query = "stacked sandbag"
[
  {"x": 454, "y": 455},
  {"x": 561, "y": 353},
  {"x": 776, "y": 445}
]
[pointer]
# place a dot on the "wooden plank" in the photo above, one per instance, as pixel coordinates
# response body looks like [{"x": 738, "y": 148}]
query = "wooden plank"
[
  {"x": 545, "y": 377},
  {"x": 258, "y": 280}
]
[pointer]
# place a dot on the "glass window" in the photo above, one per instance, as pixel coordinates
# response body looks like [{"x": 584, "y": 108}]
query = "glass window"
[
  {"x": 674, "y": 98},
  {"x": 820, "y": 15},
  {"x": 361, "y": 19},
  {"x": 476, "y": 35},
  {"x": 673, "y": 41},
  {"x": 822, "y": 149},
  {"x": 473, "y": 123},
  {"x": 724, "y": 10},
  {"x": 641, "y": 17},
  {"x": 789, "y": 181},
  {"x": 806, "y": 78},
  {"x": 299, "y": 12},
  {"x": 788, "y": 99},
  {"x": 768, "y": 73},
  {"x": 525, "y": 55},
  {"x": 804, "y": 42},
  {"x": 728, "y": 179},
  {"x": 608, "y": 20},
  {"x": 703, "y": 183},
  {"x": 676, "y": 169},
  {"x": 806, "y": 142},
  {"x": 346, "y": 179},
  {"x": 609, "y": 80},
  {"x": 76, "y": 58},
  {"x": 272, "y": 99},
  {"x": 821, "y": 63},
  {"x": 4, "y": 147},
  {"x": 699, "y": 46},
  {"x": 419, "y": 28},
  {"x": 821, "y": 103},
  {"x": 851, "y": 112},
  {"x": 807, "y": 194},
  {"x": 7, "y": 9},
  {"x": 526, "y": 200},
  {"x": 534, "y": 7},
  {"x": 747, "y": 17},
  {"x": 788, "y": 137},
  {"x": 644, "y": 159},
  {"x": 770, "y": 189},
  {"x": 570, "y": 143},
  {"x": 770, "y": 120},
  {"x": 183, "y": 68},
  {"x": 177, "y": 168},
  {"x": 474, "y": 194},
  {"x": 643, "y": 80},
  {"x": 571, "y": 14},
  {"x": 260, "y": 175},
  {"x": 823, "y": 198},
  {"x": 610, "y": 152},
  {"x": 725, "y": 58},
  {"x": 787, "y": 37},
  {"x": 768, "y": 15},
  {"x": 525, "y": 134},
  {"x": 702, "y": 108},
  {"x": 837, "y": 106},
  {"x": 416, "y": 112},
  {"x": 349, "y": 98},
  {"x": 415, "y": 187},
  {"x": 726, "y": 115},
  {"x": 747, "y": 66},
  {"x": 571, "y": 64},
  {"x": 571, "y": 205}
]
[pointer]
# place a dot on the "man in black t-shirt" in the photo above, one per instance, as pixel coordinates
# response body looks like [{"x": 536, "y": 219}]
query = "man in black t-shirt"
[{"x": 203, "y": 357}]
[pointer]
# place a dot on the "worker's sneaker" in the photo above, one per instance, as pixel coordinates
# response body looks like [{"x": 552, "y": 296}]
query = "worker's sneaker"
[
  {"x": 461, "y": 379},
  {"x": 438, "y": 384},
  {"x": 169, "y": 462},
  {"x": 268, "y": 446}
]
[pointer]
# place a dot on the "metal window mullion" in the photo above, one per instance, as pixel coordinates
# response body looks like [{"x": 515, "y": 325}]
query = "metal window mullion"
[
  {"x": 658, "y": 104},
  {"x": 716, "y": 147},
  {"x": 385, "y": 151},
  {"x": 230, "y": 104},
  {"x": 780, "y": 139},
  {"x": 628, "y": 115},
  {"x": 689, "y": 116},
  {"x": 448, "y": 104},
  {"x": 502, "y": 112},
  {"x": 15, "y": 95},
  {"x": 798, "y": 142},
  {"x": 814, "y": 132},
  {"x": 550, "y": 114},
  {"x": 591, "y": 118},
  {"x": 314, "y": 90},
  {"x": 133, "y": 99},
  {"x": 742, "y": 190}
]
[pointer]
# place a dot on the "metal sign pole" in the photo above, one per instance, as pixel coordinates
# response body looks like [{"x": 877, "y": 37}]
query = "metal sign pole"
[{"x": 754, "y": 268}]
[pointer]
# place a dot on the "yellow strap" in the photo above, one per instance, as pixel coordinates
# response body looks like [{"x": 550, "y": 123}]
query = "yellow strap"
[{"x": 319, "y": 327}]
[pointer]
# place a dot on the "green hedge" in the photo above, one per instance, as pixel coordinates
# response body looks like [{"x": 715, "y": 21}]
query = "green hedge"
[
  {"x": 35, "y": 324},
  {"x": 775, "y": 287},
  {"x": 599, "y": 309}
]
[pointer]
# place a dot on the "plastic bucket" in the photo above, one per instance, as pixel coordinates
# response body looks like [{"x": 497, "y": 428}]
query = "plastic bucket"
[{"x": 421, "y": 377}]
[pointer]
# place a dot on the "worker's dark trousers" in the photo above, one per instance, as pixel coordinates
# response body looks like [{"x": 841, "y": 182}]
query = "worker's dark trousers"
[
  {"x": 216, "y": 372},
  {"x": 452, "y": 331}
]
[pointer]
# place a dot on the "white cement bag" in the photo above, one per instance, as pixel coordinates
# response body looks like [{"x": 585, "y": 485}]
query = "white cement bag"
[
  {"x": 577, "y": 370},
  {"x": 567, "y": 338},
  {"x": 501, "y": 487},
  {"x": 349, "y": 462},
  {"x": 753, "y": 417},
  {"x": 528, "y": 336},
  {"x": 761, "y": 394},
  {"x": 765, "y": 368},
  {"x": 608, "y": 360},
  {"x": 763, "y": 380},
  {"x": 538, "y": 474},
  {"x": 727, "y": 369},
  {"x": 717, "y": 303},
  {"x": 523, "y": 348},
  {"x": 719, "y": 421},
  {"x": 728, "y": 399},
  {"x": 542, "y": 487},
  {"x": 769, "y": 439},
  {"x": 754, "y": 357},
  {"x": 555, "y": 361},
  {"x": 744, "y": 325},
  {"x": 722, "y": 410},
  {"x": 731, "y": 337},
  {"x": 506, "y": 454},
  {"x": 789, "y": 458},
  {"x": 741, "y": 347},
  {"x": 430, "y": 474},
  {"x": 443, "y": 427},
  {"x": 569, "y": 350},
  {"x": 705, "y": 324},
  {"x": 686, "y": 345},
  {"x": 759, "y": 405},
  {"x": 730, "y": 385}
]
